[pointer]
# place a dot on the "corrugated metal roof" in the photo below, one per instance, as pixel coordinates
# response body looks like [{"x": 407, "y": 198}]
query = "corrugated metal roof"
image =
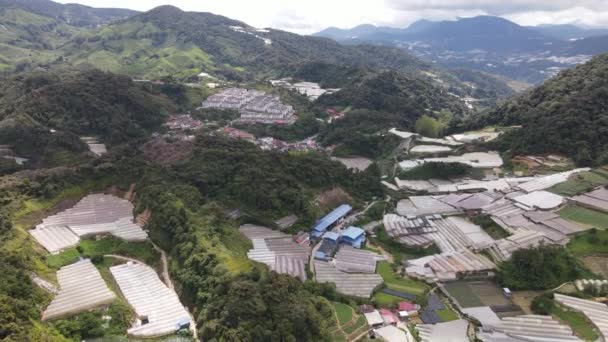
[
  {"x": 352, "y": 232},
  {"x": 332, "y": 217}
]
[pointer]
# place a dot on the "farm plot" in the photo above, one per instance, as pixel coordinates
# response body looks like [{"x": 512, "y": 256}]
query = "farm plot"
[
  {"x": 471, "y": 294},
  {"x": 586, "y": 216}
]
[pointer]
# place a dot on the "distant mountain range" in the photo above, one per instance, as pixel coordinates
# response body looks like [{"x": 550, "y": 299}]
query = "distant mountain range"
[
  {"x": 166, "y": 41},
  {"x": 487, "y": 43},
  {"x": 73, "y": 14}
]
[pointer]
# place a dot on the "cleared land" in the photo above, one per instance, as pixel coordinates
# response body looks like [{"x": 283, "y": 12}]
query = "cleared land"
[
  {"x": 597, "y": 265},
  {"x": 586, "y": 216}
]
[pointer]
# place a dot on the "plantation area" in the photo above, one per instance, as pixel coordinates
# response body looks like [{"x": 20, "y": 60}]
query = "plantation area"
[{"x": 586, "y": 216}]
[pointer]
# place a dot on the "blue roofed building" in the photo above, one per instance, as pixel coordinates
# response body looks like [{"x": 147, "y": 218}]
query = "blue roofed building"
[
  {"x": 330, "y": 219},
  {"x": 331, "y": 236},
  {"x": 353, "y": 236}
]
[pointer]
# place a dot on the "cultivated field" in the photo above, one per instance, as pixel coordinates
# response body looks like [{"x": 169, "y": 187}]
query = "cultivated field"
[
  {"x": 586, "y": 216},
  {"x": 471, "y": 294}
]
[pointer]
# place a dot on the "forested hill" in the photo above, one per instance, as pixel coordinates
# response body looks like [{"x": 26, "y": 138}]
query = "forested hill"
[
  {"x": 74, "y": 14},
  {"x": 167, "y": 40},
  {"x": 97, "y": 103},
  {"x": 568, "y": 114},
  {"x": 396, "y": 93}
]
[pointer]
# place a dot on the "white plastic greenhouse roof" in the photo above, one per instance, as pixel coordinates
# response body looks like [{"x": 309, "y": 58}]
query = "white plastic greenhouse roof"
[
  {"x": 150, "y": 298},
  {"x": 81, "y": 288},
  {"x": 94, "y": 214}
]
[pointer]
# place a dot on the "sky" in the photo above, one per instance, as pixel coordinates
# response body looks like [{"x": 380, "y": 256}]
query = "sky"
[{"x": 309, "y": 16}]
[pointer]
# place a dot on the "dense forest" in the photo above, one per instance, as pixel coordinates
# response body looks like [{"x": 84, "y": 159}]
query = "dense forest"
[
  {"x": 565, "y": 115},
  {"x": 380, "y": 102},
  {"x": 43, "y": 113},
  {"x": 358, "y": 133},
  {"x": 394, "y": 92},
  {"x": 540, "y": 268}
]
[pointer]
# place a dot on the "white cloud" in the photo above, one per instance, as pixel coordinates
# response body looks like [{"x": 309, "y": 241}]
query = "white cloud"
[{"x": 313, "y": 15}]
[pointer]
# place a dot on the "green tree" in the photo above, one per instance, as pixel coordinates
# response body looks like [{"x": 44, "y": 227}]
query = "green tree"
[{"x": 428, "y": 126}]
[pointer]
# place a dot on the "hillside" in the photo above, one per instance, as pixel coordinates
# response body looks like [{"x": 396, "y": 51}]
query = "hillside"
[
  {"x": 384, "y": 101},
  {"x": 565, "y": 115},
  {"x": 167, "y": 40},
  {"x": 28, "y": 38},
  {"x": 75, "y": 103}
]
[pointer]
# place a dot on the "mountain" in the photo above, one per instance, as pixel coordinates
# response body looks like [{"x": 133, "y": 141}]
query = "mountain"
[
  {"x": 490, "y": 44},
  {"x": 488, "y": 33},
  {"x": 73, "y": 14},
  {"x": 567, "y": 115},
  {"x": 358, "y": 32},
  {"x": 168, "y": 41},
  {"x": 568, "y": 31}
]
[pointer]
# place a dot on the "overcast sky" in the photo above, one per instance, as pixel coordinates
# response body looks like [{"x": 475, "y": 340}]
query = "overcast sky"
[{"x": 308, "y": 16}]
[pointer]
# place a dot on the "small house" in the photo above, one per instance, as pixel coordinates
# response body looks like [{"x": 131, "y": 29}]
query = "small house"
[
  {"x": 407, "y": 310},
  {"x": 374, "y": 319}
]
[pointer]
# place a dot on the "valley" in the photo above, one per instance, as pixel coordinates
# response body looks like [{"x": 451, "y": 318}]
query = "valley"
[{"x": 175, "y": 175}]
